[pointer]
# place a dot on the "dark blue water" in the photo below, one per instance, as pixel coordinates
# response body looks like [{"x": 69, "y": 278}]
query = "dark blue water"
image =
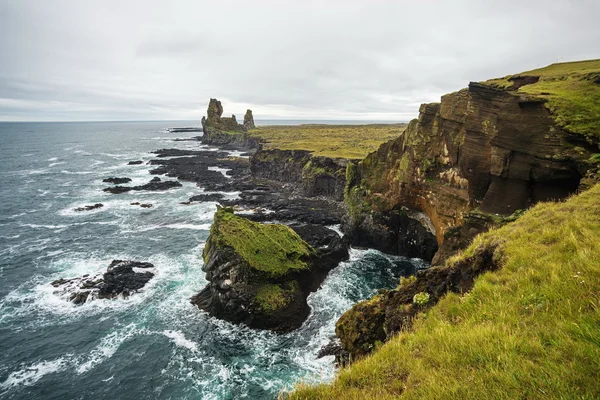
[{"x": 154, "y": 344}]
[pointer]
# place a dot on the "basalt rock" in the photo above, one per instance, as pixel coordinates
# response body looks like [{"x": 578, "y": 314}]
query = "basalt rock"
[
  {"x": 90, "y": 207},
  {"x": 313, "y": 176},
  {"x": 137, "y": 162},
  {"x": 122, "y": 278},
  {"x": 116, "y": 181},
  {"x": 207, "y": 197},
  {"x": 374, "y": 321},
  {"x": 154, "y": 184},
  {"x": 249, "y": 120},
  {"x": 260, "y": 275},
  {"x": 226, "y": 130}
]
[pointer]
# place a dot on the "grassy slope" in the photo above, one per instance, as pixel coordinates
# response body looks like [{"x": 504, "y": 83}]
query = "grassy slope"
[
  {"x": 338, "y": 141},
  {"x": 528, "y": 331},
  {"x": 572, "y": 91},
  {"x": 271, "y": 248}
]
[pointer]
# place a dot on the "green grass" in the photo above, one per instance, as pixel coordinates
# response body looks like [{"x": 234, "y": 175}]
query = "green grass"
[
  {"x": 336, "y": 141},
  {"x": 272, "y": 298},
  {"x": 271, "y": 248},
  {"x": 571, "y": 91},
  {"x": 530, "y": 330}
]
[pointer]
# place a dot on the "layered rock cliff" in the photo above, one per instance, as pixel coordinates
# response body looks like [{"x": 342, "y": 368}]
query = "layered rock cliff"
[{"x": 482, "y": 148}]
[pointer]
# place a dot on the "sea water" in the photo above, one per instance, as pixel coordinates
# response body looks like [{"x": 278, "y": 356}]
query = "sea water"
[{"x": 155, "y": 344}]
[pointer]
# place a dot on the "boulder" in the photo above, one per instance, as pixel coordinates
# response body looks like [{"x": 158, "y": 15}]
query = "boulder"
[
  {"x": 90, "y": 207},
  {"x": 154, "y": 184},
  {"x": 116, "y": 181},
  {"x": 122, "y": 278}
]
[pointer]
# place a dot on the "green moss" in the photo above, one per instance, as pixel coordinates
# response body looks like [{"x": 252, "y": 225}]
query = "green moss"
[
  {"x": 527, "y": 331},
  {"x": 571, "y": 92},
  {"x": 403, "y": 172},
  {"x": 270, "y": 248},
  {"x": 334, "y": 141},
  {"x": 272, "y": 298}
]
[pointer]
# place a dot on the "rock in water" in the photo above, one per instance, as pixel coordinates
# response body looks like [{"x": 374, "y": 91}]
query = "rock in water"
[
  {"x": 122, "y": 278},
  {"x": 90, "y": 207},
  {"x": 116, "y": 181},
  {"x": 260, "y": 275},
  {"x": 154, "y": 184}
]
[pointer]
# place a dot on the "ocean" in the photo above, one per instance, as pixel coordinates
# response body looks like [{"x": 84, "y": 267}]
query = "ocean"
[{"x": 154, "y": 344}]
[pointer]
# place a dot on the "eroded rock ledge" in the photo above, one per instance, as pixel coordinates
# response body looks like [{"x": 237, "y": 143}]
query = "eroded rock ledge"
[{"x": 260, "y": 275}]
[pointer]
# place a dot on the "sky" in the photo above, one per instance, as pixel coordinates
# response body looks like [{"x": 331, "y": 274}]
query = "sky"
[{"x": 94, "y": 60}]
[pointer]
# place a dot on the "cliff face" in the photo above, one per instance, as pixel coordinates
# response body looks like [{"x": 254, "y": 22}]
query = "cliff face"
[
  {"x": 472, "y": 162},
  {"x": 312, "y": 176},
  {"x": 495, "y": 150}
]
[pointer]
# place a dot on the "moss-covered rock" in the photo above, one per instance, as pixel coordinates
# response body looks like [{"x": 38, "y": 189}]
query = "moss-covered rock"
[{"x": 261, "y": 274}]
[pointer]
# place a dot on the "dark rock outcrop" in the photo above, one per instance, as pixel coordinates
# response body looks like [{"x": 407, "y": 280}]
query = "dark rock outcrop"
[
  {"x": 260, "y": 275},
  {"x": 312, "y": 176},
  {"x": 116, "y": 181},
  {"x": 154, "y": 184},
  {"x": 122, "y": 278},
  {"x": 226, "y": 130},
  {"x": 207, "y": 197},
  {"x": 137, "y": 162},
  {"x": 373, "y": 321},
  {"x": 90, "y": 207},
  {"x": 249, "y": 120}
]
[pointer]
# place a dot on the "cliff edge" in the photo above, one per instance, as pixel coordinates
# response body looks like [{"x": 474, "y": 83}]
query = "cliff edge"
[{"x": 496, "y": 147}]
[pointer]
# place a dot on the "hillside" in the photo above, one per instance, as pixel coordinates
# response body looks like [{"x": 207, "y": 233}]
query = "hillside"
[
  {"x": 530, "y": 330},
  {"x": 571, "y": 91}
]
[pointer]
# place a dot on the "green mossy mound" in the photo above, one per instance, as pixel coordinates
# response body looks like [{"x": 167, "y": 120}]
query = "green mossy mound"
[{"x": 273, "y": 249}]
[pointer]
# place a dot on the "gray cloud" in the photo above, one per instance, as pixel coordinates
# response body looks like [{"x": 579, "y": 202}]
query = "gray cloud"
[{"x": 107, "y": 60}]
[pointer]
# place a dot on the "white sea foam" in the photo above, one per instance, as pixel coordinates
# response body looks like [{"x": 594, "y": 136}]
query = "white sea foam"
[
  {"x": 180, "y": 340},
  {"x": 223, "y": 171},
  {"x": 33, "y": 373},
  {"x": 76, "y": 172},
  {"x": 337, "y": 229},
  {"x": 106, "y": 349}
]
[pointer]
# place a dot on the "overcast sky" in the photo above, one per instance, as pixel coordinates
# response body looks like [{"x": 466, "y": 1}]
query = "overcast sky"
[{"x": 372, "y": 59}]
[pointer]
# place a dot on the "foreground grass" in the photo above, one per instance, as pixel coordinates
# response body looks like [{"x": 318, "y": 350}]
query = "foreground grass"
[
  {"x": 528, "y": 331},
  {"x": 337, "y": 141},
  {"x": 571, "y": 91}
]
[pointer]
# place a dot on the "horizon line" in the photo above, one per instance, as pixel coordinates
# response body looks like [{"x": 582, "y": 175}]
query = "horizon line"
[{"x": 188, "y": 120}]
